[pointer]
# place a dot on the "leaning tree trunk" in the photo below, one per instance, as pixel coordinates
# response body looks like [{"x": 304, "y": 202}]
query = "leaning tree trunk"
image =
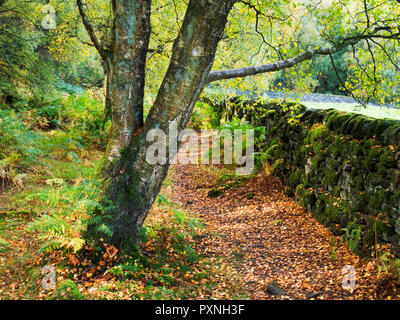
[
  {"x": 130, "y": 183},
  {"x": 124, "y": 65},
  {"x": 125, "y": 71}
]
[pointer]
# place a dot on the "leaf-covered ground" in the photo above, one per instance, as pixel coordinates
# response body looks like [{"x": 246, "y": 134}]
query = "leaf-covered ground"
[
  {"x": 273, "y": 239},
  {"x": 169, "y": 267},
  {"x": 210, "y": 235}
]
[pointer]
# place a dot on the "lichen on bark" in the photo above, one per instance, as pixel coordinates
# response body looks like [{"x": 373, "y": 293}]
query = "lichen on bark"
[{"x": 130, "y": 184}]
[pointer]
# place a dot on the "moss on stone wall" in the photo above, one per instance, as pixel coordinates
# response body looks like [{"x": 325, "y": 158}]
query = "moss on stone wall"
[{"x": 341, "y": 166}]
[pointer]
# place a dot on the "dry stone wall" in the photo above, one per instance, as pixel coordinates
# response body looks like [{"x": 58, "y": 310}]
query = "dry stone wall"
[{"x": 343, "y": 167}]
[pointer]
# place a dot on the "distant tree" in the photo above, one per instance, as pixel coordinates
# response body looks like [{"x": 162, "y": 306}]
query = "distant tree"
[
  {"x": 19, "y": 63},
  {"x": 34, "y": 61}
]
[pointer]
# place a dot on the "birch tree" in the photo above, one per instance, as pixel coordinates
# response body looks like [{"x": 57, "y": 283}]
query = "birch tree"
[{"x": 130, "y": 183}]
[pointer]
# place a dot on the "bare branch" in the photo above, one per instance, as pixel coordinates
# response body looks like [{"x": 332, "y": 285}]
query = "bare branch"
[
  {"x": 90, "y": 31},
  {"x": 349, "y": 92}
]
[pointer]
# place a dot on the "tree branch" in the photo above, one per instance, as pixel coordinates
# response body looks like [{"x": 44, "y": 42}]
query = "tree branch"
[
  {"x": 90, "y": 31},
  {"x": 290, "y": 62},
  {"x": 349, "y": 92}
]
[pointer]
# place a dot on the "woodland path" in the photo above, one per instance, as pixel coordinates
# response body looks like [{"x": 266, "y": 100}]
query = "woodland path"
[{"x": 271, "y": 238}]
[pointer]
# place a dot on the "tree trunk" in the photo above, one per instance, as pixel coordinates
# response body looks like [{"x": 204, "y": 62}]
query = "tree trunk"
[
  {"x": 130, "y": 183},
  {"x": 126, "y": 70},
  {"x": 124, "y": 67}
]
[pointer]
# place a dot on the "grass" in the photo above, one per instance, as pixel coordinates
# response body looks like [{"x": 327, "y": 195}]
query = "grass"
[
  {"x": 18, "y": 271},
  {"x": 21, "y": 258},
  {"x": 4, "y": 246},
  {"x": 41, "y": 223},
  {"x": 378, "y": 112}
]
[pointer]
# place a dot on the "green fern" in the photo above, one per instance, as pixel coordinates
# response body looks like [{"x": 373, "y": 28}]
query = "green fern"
[
  {"x": 69, "y": 210},
  {"x": 105, "y": 229}
]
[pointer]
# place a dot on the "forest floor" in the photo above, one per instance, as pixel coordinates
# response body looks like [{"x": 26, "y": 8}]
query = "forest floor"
[
  {"x": 273, "y": 239},
  {"x": 251, "y": 234}
]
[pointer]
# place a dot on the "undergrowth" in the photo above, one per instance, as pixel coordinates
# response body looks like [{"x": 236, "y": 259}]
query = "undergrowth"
[{"x": 57, "y": 150}]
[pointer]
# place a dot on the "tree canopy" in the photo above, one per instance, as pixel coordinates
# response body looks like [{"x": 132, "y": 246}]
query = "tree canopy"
[{"x": 262, "y": 36}]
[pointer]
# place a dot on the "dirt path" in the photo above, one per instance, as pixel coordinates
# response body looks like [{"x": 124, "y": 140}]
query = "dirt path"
[{"x": 272, "y": 238}]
